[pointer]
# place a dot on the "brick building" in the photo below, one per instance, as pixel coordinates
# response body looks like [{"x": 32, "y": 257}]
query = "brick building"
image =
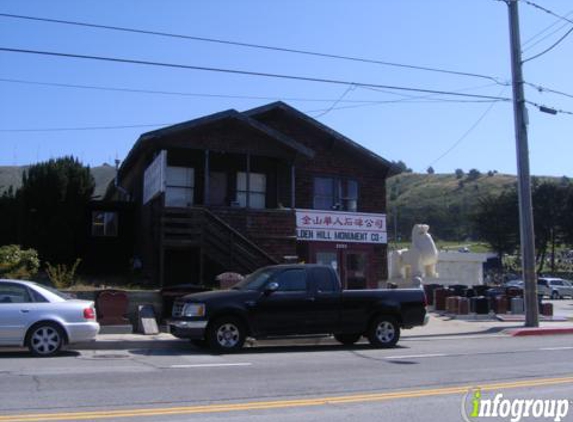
[{"x": 234, "y": 191}]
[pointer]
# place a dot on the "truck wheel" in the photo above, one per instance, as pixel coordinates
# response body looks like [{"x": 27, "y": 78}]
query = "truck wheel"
[
  {"x": 384, "y": 332},
  {"x": 45, "y": 339},
  {"x": 226, "y": 335},
  {"x": 555, "y": 295},
  {"x": 347, "y": 339}
]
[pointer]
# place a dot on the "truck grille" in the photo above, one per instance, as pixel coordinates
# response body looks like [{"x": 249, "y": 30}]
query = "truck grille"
[{"x": 178, "y": 308}]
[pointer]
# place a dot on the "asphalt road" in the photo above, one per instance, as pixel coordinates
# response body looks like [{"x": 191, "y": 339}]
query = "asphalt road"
[{"x": 423, "y": 380}]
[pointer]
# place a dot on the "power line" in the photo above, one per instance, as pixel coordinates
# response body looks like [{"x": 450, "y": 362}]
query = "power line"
[
  {"x": 543, "y": 9},
  {"x": 256, "y": 46},
  {"x": 549, "y": 110},
  {"x": 176, "y": 93},
  {"x": 111, "y": 127},
  {"x": 544, "y": 89},
  {"x": 550, "y": 48},
  {"x": 335, "y": 103},
  {"x": 530, "y": 39},
  {"x": 245, "y": 73},
  {"x": 530, "y": 46},
  {"x": 82, "y": 128},
  {"x": 466, "y": 134}
]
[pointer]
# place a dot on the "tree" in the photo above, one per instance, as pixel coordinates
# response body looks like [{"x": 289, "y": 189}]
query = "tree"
[
  {"x": 401, "y": 166},
  {"x": 459, "y": 173},
  {"x": 548, "y": 212},
  {"x": 54, "y": 197},
  {"x": 10, "y": 212},
  {"x": 496, "y": 221},
  {"x": 566, "y": 222},
  {"x": 430, "y": 170},
  {"x": 473, "y": 174}
]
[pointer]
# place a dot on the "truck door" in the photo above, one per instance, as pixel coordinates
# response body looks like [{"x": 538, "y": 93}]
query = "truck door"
[
  {"x": 327, "y": 298},
  {"x": 287, "y": 310}
]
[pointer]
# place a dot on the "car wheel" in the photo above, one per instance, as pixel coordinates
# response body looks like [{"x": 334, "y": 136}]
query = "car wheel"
[
  {"x": 347, "y": 339},
  {"x": 555, "y": 295},
  {"x": 384, "y": 332},
  {"x": 45, "y": 339},
  {"x": 226, "y": 335}
]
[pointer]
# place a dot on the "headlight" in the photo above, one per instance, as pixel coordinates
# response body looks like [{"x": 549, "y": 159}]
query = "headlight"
[{"x": 194, "y": 310}]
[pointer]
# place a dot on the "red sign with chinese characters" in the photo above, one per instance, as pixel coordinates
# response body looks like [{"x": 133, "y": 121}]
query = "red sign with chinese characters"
[{"x": 336, "y": 226}]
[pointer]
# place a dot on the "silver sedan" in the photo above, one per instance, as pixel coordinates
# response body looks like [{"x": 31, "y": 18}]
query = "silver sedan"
[{"x": 43, "y": 319}]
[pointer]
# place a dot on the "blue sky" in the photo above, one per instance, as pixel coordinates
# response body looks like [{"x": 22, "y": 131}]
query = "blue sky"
[{"x": 461, "y": 35}]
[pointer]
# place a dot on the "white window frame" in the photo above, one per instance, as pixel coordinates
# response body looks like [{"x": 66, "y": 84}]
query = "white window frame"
[
  {"x": 257, "y": 190},
  {"x": 179, "y": 186}
]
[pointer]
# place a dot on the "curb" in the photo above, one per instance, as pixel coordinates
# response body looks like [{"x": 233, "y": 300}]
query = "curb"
[{"x": 522, "y": 332}]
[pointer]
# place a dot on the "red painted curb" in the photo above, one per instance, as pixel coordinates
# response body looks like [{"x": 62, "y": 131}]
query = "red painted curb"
[{"x": 539, "y": 331}]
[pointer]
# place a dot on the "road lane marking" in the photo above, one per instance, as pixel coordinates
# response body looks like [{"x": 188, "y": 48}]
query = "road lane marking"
[
  {"x": 282, "y": 404},
  {"x": 556, "y": 348},
  {"x": 429, "y": 355},
  {"x": 209, "y": 365}
]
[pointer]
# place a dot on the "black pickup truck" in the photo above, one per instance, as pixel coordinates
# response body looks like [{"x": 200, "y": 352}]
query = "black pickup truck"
[{"x": 290, "y": 300}]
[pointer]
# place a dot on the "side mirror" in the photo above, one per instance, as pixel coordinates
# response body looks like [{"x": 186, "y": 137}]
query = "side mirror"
[{"x": 273, "y": 286}]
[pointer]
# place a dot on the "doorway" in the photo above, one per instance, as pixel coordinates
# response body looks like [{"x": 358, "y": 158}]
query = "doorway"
[{"x": 352, "y": 262}]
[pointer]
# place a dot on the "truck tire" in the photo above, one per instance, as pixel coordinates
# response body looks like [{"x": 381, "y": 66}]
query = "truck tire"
[
  {"x": 347, "y": 339},
  {"x": 226, "y": 335},
  {"x": 384, "y": 332}
]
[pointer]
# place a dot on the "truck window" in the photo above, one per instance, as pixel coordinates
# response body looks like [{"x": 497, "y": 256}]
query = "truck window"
[
  {"x": 291, "y": 281},
  {"x": 324, "y": 280}
]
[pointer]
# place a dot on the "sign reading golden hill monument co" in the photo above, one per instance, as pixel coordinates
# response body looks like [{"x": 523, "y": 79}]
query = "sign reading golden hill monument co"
[{"x": 336, "y": 226}]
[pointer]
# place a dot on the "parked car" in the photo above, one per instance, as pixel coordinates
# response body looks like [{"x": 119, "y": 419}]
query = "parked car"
[
  {"x": 555, "y": 288},
  {"x": 43, "y": 319},
  {"x": 289, "y": 300}
]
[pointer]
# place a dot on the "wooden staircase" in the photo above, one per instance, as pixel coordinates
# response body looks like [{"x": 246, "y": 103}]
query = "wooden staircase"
[{"x": 199, "y": 227}]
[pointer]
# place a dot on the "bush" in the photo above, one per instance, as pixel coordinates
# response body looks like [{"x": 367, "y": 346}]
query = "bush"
[
  {"x": 18, "y": 263},
  {"x": 61, "y": 276}
]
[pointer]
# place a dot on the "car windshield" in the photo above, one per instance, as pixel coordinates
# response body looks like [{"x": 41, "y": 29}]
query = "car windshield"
[
  {"x": 255, "y": 281},
  {"x": 55, "y": 291}
]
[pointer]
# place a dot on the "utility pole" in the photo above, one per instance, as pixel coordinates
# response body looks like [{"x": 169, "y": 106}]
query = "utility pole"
[{"x": 523, "y": 177}]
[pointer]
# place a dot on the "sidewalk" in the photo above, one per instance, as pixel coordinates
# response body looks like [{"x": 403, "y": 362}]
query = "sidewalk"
[{"x": 438, "y": 327}]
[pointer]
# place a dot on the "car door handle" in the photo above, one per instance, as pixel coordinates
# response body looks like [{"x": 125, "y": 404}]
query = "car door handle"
[
  {"x": 309, "y": 299},
  {"x": 24, "y": 311}
]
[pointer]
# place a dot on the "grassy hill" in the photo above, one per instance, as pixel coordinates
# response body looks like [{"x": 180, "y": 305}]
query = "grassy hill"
[
  {"x": 442, "y": 200},
  {"x": 12, "y": 176}
]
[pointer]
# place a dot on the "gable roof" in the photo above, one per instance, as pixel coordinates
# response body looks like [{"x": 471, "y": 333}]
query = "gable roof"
[
  {"x": 146, "y": 140},
  {"x": 279, "y": 105}
]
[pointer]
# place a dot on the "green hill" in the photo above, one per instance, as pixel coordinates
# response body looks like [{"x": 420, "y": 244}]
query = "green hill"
[
  {"x": 12, "y": 176},
  {"x": 443, "y": 201}
]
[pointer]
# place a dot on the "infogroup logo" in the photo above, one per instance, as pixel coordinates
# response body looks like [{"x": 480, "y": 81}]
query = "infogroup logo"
[{"x": 475, "y": 407}]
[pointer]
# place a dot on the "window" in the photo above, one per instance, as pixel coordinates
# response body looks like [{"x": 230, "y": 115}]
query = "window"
[
  {"x": 38, "y": 297},
  {"x": 180, "y": 187},
  {"x": 291, "y": 281},
  {"x": 350, "y": 198},
  {"x": 13, "y": 293},
  {"x": 256, "y": 190},
  {"x": 325, "y": 282},
  {"x": 325, "y": 194},
  {"x": 335, "y": 194},
  {"x": 104, "y": 223}
]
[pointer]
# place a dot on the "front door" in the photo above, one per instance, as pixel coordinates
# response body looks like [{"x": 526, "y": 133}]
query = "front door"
[
  {"x": 352, "y": 262},
  {"x": 287, "y": 310}
]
